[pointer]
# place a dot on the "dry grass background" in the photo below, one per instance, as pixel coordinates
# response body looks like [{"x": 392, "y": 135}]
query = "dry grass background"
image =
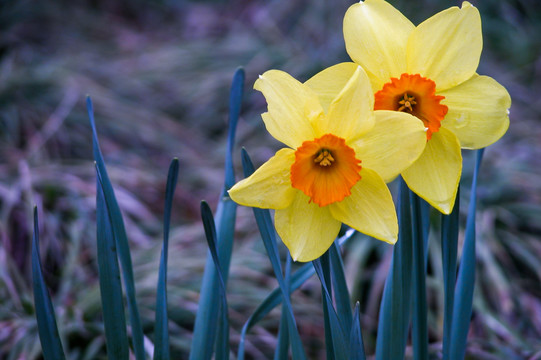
[{"x": 158, "y": 72}]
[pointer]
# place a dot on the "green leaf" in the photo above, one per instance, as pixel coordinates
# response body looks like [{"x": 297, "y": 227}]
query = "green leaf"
[
  {"x": 282, "y": 348},
  {"x": 341, "y": 292},
  {"x": 336, "y": 339},
  {"x": 46, "y": 319},
  {"x": 356, "y": 346},
  {"x": 420, "y": 325},
  {"x": 204, "y": 335},
  {"x": 161, "y": 330},
  {"x": 109, "y": 276},
  {"x": 268, "y": 235},
  {"x": 298, "y": 278},
  {"x": 449, "y": 244},
  {"x": 222, "y": 344},
  {"x": 466, "y": 277},
  {"x": 120, "y": 239},
  {"x": 394, "y": 316}
]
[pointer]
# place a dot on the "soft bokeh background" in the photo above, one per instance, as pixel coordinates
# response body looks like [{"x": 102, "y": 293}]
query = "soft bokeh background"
[{"x": 159, "y": 72}]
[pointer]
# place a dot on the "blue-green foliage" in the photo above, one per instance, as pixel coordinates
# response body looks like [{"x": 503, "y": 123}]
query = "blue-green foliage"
[
  {"x": 161, "y": 330},
  {"x": 356, "y": 346},
  {"x": 206, "y": 321},
  {"x": 466, "y": 277},
  {"x": 118, "y": 232},
  {"x": 46, "y": 319},
  {"x": 222, "y": 342}
]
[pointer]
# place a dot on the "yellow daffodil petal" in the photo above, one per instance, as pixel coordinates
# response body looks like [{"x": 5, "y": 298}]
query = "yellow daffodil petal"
[
  {"x": 351, "y": 111},
  {"x": 305, "y": 228},
  {"x": 269, "y": 187},
  {"x": 435, "y": 175},
  {"x": 376, "y": 36},
  {"x": 329, "y": 82},
  {"x": 292, "y": 107},
  {"x": 446, "y": 47},
  {"x": 478, "y": 111},
  {"x": 394, "y": 143},
  {"x": 369, "y": 209}
]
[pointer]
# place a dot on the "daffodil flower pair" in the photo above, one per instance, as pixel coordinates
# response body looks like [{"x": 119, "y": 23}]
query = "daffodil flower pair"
[{"x": 340, "y": 154}]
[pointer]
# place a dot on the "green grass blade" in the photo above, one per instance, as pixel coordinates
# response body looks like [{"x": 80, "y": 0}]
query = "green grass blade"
[
  {"x": 298, "y": 278},
  {"x": 449, "y": 244},
  {"x": 268, "y": 235},
  {"x": 46, "y": 319},
  {"x": 161, "y": 329},
  {"x": 356, "y": 346},
  {"x": 339, "y": 345},
  {"x": 466, "y": 277},
  {"x": 282, "y": 348},
  {"x": 121, "y": 240},
  {"x": 394, "y": 316},
  {"x": 419, "y": 321},
  {"x": 222, "y": 344},
  {"x": 109, "y": 277},
  {"x": 341, "y": 292},
  {"x": 204, "y": 335}
]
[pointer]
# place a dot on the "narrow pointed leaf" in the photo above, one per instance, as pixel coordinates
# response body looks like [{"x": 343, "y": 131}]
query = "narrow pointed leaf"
[
  {"x": 341, "y": 292},
  {"x": 161, "y": 330},
  {"x": 356, "y": 346},
  {"x": 112, "y": 301},
  {"x": 204, "y": 335},
  {"x": 268, "y": 235},
  {"x": 449, "y": 244},
  {"x": 282, "y": 348},
  {"x": 419, "y": 322},
  {"x": 222, "y": 344},
  {"x": 394, "y": 316},
  {"x": 339, "y": 343},
  {"x": 120, "y": 239},
  {"x": 466, "y": 277},
  {"x": 45, "y": 316}
]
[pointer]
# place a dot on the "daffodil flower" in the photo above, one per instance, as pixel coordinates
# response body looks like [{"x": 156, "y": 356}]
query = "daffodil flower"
[
  {"x": 428, "y": 71},
  {"x": 339, "y": 155}
]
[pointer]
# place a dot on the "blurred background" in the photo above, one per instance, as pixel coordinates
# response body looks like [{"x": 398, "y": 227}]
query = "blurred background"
[{"x": 159, "y": 72}]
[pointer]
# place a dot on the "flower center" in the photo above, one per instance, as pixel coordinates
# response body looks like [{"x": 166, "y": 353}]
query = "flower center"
[
  {"x": 415, "y": 95},
  {"x": 325, "y": 169}
]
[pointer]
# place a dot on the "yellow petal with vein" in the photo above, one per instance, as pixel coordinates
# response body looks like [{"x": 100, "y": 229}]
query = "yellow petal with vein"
[
  {"x": 446, "y": 47},
  {"x": 330, "y": 81},
  {"x": 435, "y": 175},
  {"x": 269, "y": 187},
  {"x": 478, "y": 111},
  {"x": 292, "y": 107},
  {"x": 376, "y": 36},
  {"x": 305, "y": 228},
  {"x": 351, "y": 111},
  {"x": 392, "y": 145},
  {"x": 369, "y": 209}
]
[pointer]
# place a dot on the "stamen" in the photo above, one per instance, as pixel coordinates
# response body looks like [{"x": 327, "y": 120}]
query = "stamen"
[
  {"x": 324, "y": 158},
  {"x": 407, "y": 102}
]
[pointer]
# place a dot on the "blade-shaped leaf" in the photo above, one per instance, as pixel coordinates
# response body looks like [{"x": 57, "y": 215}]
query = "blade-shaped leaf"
[
  {"x": 419, "y": 321},
  {"x": 45, "y": 316},
  {"x": 449, "y": 244},
  {"x": 394, "y": 316},
  {"x": 161, "y": 332},
  {"x": 466, "y": 276},
  {"x": 268, "y": 235},
  {"x": 356, "y": 346},
  {"x": 282, "y": 348},
  {"x": 120, "y": 239},
  {"x": 339, "y": 343},
  {"x": 109, "y": 276},
  {"x": 341, "y": 292},
  {"x": 204, "y": 335},
  {"x": 222, "y": 344}
]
